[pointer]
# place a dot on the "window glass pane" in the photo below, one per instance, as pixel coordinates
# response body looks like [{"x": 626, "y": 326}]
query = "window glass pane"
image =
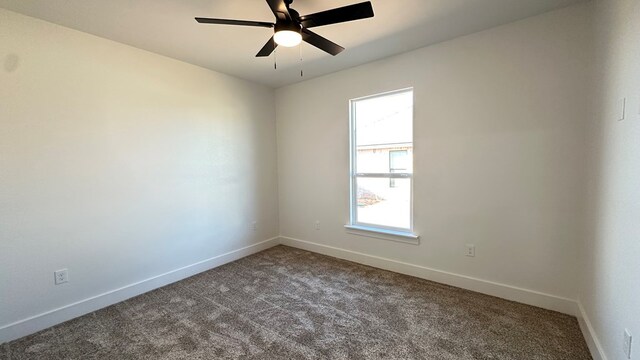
[
  {"x": 383, "y": 125},
  {"x": 381, "y": 203},
  {"x": 384, "y": 119}
]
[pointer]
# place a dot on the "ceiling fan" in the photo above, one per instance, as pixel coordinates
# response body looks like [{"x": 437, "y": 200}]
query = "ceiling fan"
[{"x": 290, "y": 28}]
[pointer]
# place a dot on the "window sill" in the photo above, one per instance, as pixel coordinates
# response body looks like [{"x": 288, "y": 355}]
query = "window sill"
[{"x": 384, "y": 234}]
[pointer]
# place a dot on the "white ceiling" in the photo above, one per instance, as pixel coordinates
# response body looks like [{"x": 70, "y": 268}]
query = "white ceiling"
[{"x": 167, "y": 27}]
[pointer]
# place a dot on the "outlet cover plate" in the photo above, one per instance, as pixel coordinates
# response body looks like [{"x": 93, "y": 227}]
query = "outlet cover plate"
[
  {"x": 471, "y": 250},
  {"x": 61, "y": 276}
]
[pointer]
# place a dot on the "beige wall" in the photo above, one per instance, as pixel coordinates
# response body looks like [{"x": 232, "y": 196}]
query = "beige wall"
[
  {"x": 610, "y": 294},
  {"x": 500, "y": 119},
  {"x": 121, "y": 165}
]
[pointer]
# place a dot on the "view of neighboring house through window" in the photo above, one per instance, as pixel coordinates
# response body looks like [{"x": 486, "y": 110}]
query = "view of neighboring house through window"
[
  {"x": 382, "y": 161},
  {"x": 397, "y": 163}
]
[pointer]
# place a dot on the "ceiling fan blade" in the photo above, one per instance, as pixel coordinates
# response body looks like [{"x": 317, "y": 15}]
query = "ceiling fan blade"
[
  {"x": 234, "y": 22},
  {"x": 279, "y": 9},
  {"x": 347, "y": 13},
  {"x": 321, "y": 43},
  {"x": 268, "y": 48}
]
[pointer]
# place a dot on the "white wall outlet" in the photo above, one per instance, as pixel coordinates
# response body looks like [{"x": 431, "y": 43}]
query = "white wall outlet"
[
  {"x": 471, "y": 250},
  {"x": 61, "y": 276},
  {"x": 254, "y": 226},
  {"x": 627, "y": 343},
  {"x": 317, "y": 225},
  {"x": 621, "y": 108}
]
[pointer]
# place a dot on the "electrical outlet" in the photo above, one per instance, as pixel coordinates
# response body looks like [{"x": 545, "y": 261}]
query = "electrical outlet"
[
  {"x": 317, "y": 225},
  {"x": 627, "y": 343},
  {"x": 254, "y": 226},
  {"x": 61, "y": 276},
  {"x": 471, "y": 250}
]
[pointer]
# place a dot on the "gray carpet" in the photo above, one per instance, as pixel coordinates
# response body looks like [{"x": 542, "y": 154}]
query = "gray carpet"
[{"x": 286, "y": 303}]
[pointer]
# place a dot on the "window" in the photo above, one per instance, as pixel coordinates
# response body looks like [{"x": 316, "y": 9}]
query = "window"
[
  {"x": 397, "y": 163},
  {"x": 382, "y": 162}
]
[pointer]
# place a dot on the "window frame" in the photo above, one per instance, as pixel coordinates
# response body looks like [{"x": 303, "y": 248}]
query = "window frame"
[{"x": 354, "y": 175}]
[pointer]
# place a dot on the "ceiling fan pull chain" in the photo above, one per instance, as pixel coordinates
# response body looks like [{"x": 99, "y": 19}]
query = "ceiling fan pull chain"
[{"x": 300, "y": 48}]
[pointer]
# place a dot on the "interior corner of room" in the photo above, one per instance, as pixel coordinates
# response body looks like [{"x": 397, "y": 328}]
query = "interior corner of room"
[{"x": 124, "y": 169}]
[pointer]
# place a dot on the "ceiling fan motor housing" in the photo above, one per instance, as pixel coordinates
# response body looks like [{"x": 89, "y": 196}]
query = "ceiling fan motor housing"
[{"x": 286, "y": 25}]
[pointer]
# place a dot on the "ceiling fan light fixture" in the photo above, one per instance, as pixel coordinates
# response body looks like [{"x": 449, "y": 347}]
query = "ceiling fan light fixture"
[
  {"x": 287, "y": 34},
  {"x": 287, "y": 38}
]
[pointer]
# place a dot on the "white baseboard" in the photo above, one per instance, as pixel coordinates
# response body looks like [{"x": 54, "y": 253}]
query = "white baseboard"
[
  {"x": 597, "y": 353},
  {"x": 525, "y": 296},
  {"x": 50, "y": 318}
]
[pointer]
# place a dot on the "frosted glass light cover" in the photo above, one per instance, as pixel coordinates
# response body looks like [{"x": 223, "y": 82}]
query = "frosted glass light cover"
[{"x": 287, "y": 38}]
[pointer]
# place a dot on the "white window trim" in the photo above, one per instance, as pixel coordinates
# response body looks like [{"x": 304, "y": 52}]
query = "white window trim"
[
  {"x": 374, "y": 230},
  {"x": 384, "y": 234}
]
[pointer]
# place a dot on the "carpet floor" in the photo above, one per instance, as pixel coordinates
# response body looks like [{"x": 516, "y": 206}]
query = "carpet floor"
[{"x": 285, "y": 303}]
